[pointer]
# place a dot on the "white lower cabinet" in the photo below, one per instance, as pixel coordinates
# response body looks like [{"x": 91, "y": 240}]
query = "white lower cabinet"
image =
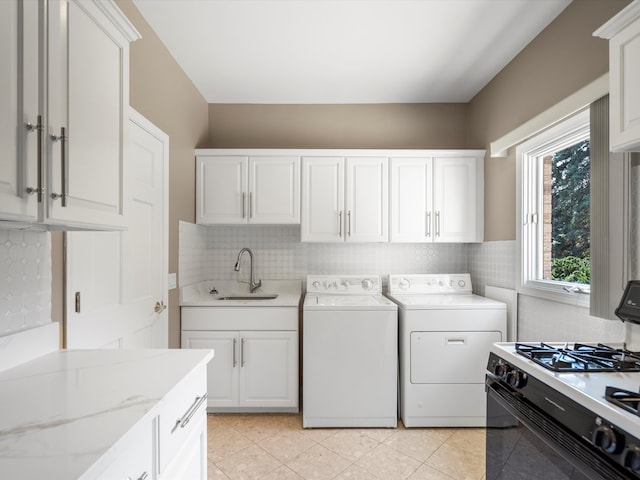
[
  {"x": 172, "y": 444},
  {"x": 182, "y": 429},
  {"x": 253, "y": 370}
]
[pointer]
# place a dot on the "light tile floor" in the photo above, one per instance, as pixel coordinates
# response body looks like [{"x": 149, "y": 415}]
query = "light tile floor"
[{"x": 276, "y": 447}]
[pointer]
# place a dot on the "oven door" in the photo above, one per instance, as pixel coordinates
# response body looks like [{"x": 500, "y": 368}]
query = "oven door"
[{"x": 524, "y": 443}]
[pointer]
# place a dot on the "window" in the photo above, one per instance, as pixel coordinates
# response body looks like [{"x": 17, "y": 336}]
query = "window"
[{"x": 554, "y": 212}]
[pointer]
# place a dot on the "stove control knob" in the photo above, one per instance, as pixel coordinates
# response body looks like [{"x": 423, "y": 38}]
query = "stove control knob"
[
  {"x": 516, "y": 379},
  {"x": 632, "y": 459},
  {"x": 367, "y": 284},
  {"x": 501, "y": 369},
  {"x": 607, "y": 439}
]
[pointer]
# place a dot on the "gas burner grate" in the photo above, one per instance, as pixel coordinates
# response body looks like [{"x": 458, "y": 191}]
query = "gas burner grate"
[
  {"x": 623, "y": 398},
  {"x": 581, "y": 357}
]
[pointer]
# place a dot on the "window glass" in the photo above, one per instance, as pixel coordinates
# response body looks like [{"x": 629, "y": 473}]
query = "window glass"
[{"x": 566, "y": 219}]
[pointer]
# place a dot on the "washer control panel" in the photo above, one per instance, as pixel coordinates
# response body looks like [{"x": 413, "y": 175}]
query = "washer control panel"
[
  {"x": 430, "y": 283},
  {"x": 346, "y": 284}
]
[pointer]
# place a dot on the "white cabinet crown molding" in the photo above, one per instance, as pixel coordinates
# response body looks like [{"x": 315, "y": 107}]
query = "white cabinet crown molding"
[{"x": 619, "y": 21}]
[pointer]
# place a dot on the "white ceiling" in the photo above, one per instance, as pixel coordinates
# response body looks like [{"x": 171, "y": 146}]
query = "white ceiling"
[{"x": 345, "y": 51}]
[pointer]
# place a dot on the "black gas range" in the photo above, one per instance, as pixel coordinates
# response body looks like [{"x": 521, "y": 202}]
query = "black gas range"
[
  {"x": 576, "y": 401},
  {"x": 565, "y": 410}
]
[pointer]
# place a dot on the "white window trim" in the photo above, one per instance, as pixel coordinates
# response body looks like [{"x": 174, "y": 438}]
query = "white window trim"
[{"x": 557, "y": 137}]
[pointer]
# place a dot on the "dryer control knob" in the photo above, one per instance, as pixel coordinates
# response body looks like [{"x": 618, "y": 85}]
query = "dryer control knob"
[
  {"x": 461, "y": 283},
  {"x": 404, "y": 284},
  {"x": 316, "y": 284},
  {"x": 367, "y": 284}
]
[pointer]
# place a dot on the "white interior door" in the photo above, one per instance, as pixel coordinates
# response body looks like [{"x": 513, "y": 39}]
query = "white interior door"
[{"x": 116, "y": 286}]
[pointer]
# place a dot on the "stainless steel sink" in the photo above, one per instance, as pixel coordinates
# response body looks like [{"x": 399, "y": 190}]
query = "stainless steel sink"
[{"x": 252, "y": 296}]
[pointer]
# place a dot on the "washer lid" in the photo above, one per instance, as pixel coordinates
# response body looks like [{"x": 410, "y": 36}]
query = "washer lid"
[
  {"x": 314, "y": 301},
  {"x": 446, "y": 302}
]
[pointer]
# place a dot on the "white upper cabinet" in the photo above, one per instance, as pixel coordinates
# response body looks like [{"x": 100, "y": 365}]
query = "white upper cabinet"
[
  {"x": 71, "y": 167},
  {"x": 411, "y": 203},
  {"x": 458, "y": 199},
  {"x": 437, "y": 199},
  {"x": 88, "y": 101},
  {"x": 20, "y": 114},
  {"x": 623, "y": 33},
  {"x": 239, "y": 189},
  {"x": 345, "y": 199}
]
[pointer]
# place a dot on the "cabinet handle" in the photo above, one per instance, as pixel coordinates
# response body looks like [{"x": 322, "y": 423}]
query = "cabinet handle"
[
  {"x": 38, "y": 128},
  {"x": 184, "y": 420},
  {"x": 234, "y": 352},
  {"x": 437, "y": 223},
  {"x": 428, "y": 229},
  {"x": 244, "y": 200},
  {"x": 64, "y": 166},
  {"x": 349, "y": 222},
  {"x": 250, "y": 205},
  {"x": 340, "y": 223},
  {"x": 242, "y": 352}
]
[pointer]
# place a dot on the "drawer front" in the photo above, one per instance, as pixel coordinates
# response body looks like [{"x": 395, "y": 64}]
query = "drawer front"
[
  {"x": 239, "y": 318},
  {"x": 181, "y": 412}
]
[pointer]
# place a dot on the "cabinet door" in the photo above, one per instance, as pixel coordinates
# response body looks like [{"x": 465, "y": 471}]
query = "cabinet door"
[
  {"x": 274, "y": 190},
  {"x": 455, "y": 205},
  {"x": 19, "y": 107},
  {"x": 411, "y": 206},
  {"x": 367, "y": 199},
  {"x": 322, "y": 216},
  {"x": 190, "y": 462},
  {"x": 87, "y": 107},
  {"x": 223, "y": 371},
  {"x": 138, "y": 456},
  {"x": 624, "y": 55},
  {"x": 221, "y": 190},
  {"x": 269, "y": 369}
]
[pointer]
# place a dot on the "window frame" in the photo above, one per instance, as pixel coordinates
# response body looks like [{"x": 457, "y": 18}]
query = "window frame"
[{"x": 529, "y": 210}]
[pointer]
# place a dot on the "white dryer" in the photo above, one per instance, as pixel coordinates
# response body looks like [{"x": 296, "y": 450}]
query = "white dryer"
[
  {"x": 445, "y": 334},
  {"x": 349, "y": 353}
]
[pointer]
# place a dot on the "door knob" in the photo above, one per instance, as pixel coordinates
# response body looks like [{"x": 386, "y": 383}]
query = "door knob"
[{"x": 160, "y": 307}]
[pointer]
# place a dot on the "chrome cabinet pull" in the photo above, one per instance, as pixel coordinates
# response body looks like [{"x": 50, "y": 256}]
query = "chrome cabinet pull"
[
  {"x": 340, "y": 223},
  {"x": 349, "y": 222},
  {"x": 437, "y": 224},
  {"x": 64, "y": 166},
  {"x": 428, "y": 229},
  {"x": 234, "y": 353},
  {"x": 184, "y": 420},
  {"x": 38, "y": 128},
  {"x": 244, "y": 200},
  {"x": 242, "y": 352},
  {"x": 250, "y": 205}
]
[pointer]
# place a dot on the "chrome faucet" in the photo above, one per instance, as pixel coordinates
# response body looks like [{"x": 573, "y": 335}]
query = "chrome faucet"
[{"x": 253, "y": 285}]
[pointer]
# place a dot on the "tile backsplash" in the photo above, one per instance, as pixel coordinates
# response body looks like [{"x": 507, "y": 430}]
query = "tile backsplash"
[
  {"x": 25, "y": 280},
  {"x": 209, "y": 253}
]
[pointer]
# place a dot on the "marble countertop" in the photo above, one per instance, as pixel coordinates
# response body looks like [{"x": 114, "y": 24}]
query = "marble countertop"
[
  {"x": 199, "y": 294},
  {"x": 63, "y": 412}
]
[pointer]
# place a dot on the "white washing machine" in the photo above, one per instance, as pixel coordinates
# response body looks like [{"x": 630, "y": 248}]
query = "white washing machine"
[
  {"x": 349, "y": 353},
  {"x": 445, "y": 334}
]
